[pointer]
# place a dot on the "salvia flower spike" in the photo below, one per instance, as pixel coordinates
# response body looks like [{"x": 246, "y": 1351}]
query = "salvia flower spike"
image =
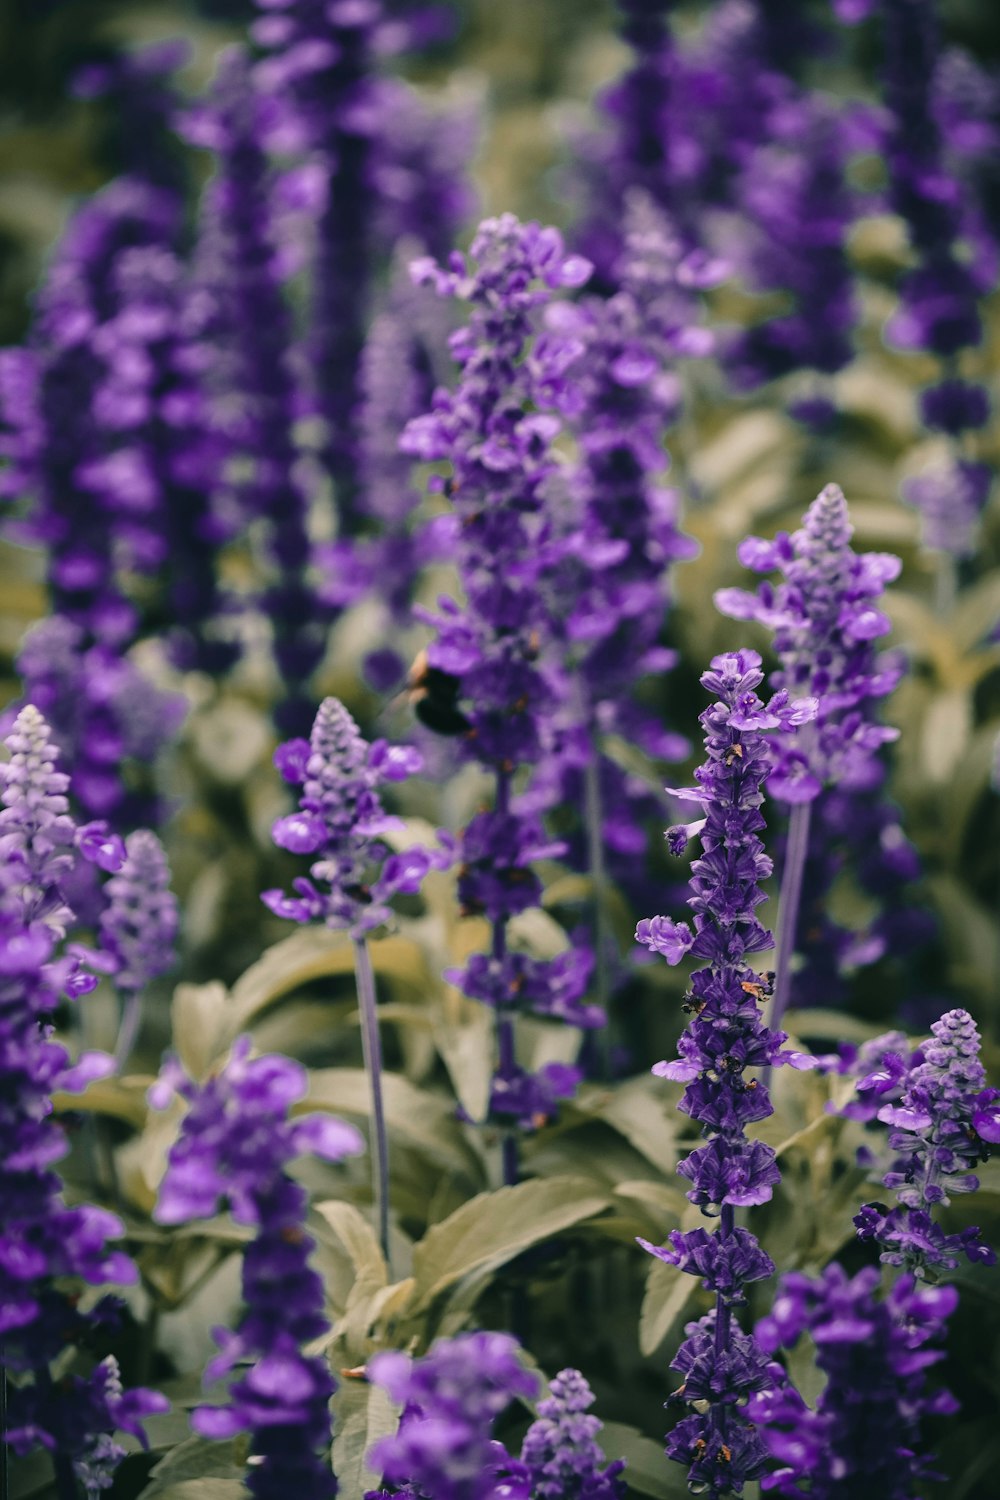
[
  {"x": 721, "y": 1364},
  {"x": 443, "y": 1449},
  {"x": 44, "y": 1242},
  {"x": 943, "y": 1120},
  {"x": 341, "y": 821},
  {"x": 862, "y": 1440},
  {"x": 235, "y": 1145},
  {"x": 826, "y": 618}
]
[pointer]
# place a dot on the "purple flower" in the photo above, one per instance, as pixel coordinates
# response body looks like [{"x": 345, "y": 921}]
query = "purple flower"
[
  {"x": 340, "y": 819},
  {"x": 943, "y": 1120},
  {"x": 824, "y": 616},
  {"x": 560, "y": 1448},
  {"x": 235, "y": 1144},
  {"x": 864, "y": 1434},
  {"x": 450, "y": 1399},
  {"x": 108, "y": 719},
  {"x": 725, "y": 1038},
  {"x": 497, "y": 658},
  {"x": 246, "y": 346},
  {"x": 42, "y": 1240}
]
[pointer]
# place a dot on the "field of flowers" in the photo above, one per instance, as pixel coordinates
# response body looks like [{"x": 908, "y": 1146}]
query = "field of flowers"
[{"x": 445, "y": 448}]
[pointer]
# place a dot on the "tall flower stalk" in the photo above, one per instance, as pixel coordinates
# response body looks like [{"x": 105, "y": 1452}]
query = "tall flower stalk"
[
  {"x": 943, "y": 1120},
  {"x": 720, "y": 1363},
  {"x": 825, "y": 618},
  {"x": 354, "y": 876},
  {"x": 235, "y": 1145},
  {"x": 138, "y": 929},
  {"x": 42, "y": 1240},
  {"x": 494, "y": 652},
  {"x": 939, "y": 296}
]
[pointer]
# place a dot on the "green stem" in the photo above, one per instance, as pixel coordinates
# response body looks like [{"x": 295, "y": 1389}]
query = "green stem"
[
  {"x": 372, "y": 1050},
  {"x": 796, "y": 849}
]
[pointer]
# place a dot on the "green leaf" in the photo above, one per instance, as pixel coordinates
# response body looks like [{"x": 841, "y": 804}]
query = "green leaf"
[
  {"x": 198, "y": 1018},
  {"x": 422, "y": 1121},
  {"x": 638, "y": 1109},
  {"x": 362, "y": 1414},
  {"x": 310, "y": 953},
  {"x": 945, "y": 734},
  {"x": 668, "y": 1292},
  {"x": 208, "y": 1466},
  {"x": 648, "y": 1470},
  {"x": 349, "y": 1251},
  {"x": 466, "y": 1048},
  {"x": 493, "y": 1228}
]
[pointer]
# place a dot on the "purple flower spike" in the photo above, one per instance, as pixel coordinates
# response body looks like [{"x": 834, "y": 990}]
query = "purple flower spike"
[
  {"x": 824, "y": 615},
  {"x": 863, "y": 1438},
  {"x": 42, "y": 1240},
  {"x": 339, "y": 820},
  {"x": 943, "y": 1121},
  {"x": 451, "y": 1397},
  {"x": 138, "y": 928},
  {"x": 234, "y": 1148},
  {"x": 722, "y": 1365},
  {"x": 560, "y": 1448}
]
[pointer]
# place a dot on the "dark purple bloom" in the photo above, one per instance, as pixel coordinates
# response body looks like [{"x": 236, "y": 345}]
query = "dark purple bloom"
[
  {"x": 721, "y": 1364},
  {"x": 863, "y": 1438},
  {"x": 234, "y": 1148},
  {"x": 450, "y": 1399},
  {"x": 247, "y": 350},
  {"x": 498, "y": 653}
]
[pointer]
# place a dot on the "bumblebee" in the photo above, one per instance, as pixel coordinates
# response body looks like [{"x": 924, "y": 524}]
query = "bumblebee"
[
  {"x": 433, "y": 695},
  {"x": 733, "y": 754}
]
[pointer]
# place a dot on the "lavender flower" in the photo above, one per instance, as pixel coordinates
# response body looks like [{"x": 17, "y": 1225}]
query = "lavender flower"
[
  {"x": 939, "y": 297},
  {"x": 825, "y": 618},
  {"x": 42, "y": 1240},
  {"x": 138, "y": 928},
  {"x": 248, "y": 349},
  {"x": 721, "y": 1365},
  {"x": 235, "y": 1145},
  {"x": 495, "y": 651},
  {"x": 59, "y": 440},
  {"x": 613, "y": 581},
  {"x": 107, "y": 718},
  {"x": 863, "y": 1438},
  {"x": 451, "y": 1397},
  {"x": 943, "y": 1121},
  {"x": 560, "y": 1449},
  {"x": 340, "y": 818}
]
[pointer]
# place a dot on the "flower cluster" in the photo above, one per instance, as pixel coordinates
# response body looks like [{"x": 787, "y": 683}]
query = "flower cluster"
[
  {"x": 943, "y": 1120},
  {"x": 81, "y": 502},
  {"x": 826, "y": 618},
  {"x": 443, "y": 1449},
  {"x": 560, "y": 1450},
  {"x": 341, "y": 820},
  {"x": 107, "y": 718},
  {"x": 246, "y": 344},
  {"x": 864, "y": 1435},
  {"x": 720, "y": 1364},
  {"x": 494, "y": 657},
  {"x": 43, "y": 1240},
  {"x": 234, "y": 1147},
  {"x": 939, "y": 296}
]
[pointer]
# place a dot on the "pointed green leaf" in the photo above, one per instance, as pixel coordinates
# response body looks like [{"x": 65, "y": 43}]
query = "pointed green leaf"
[{"x": 493, "y": 1228}]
